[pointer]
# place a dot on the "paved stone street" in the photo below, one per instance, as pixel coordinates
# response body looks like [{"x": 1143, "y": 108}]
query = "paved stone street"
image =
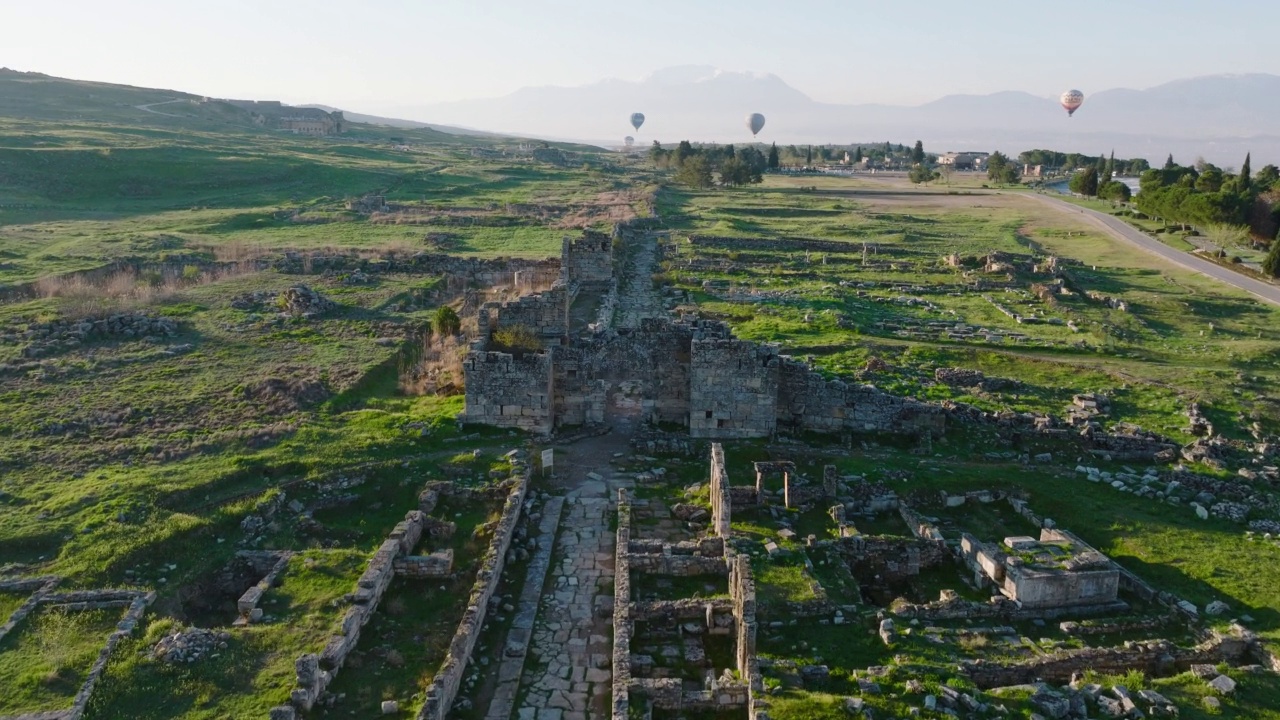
[{"x": 567, "y": 676}]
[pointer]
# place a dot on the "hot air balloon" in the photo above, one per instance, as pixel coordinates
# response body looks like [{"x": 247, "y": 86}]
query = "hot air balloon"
[
  {"x": 1071, "y": 101},
  {"x": 755, "y": 121},
  {"x": 637, "y": 119},
  {"x": 628, "y": 141}
]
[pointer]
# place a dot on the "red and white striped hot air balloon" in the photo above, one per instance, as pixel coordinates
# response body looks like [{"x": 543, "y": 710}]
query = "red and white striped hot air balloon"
[{"x": 1071, "y": 101}]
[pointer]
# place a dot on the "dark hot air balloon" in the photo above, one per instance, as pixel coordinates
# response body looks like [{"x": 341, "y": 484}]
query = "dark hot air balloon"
[
  {"x": 1071, "y": 101},
  {"x": 637, "y": 119},
  {"x": 755, "y": 122}
]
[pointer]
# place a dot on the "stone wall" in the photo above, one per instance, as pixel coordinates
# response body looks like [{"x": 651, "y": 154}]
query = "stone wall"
[
  {"x": 135, "y": 601},
  {"x": 587, "y": 259},
  {"x": 506, "y": 390},
  {"x": 444, "y": 686},
  {"x": 721, "y": 500},
  {"x": 807, "y": 400},
  {"x": 623, "y": 626},
  {"x": 546, "y": 313},
  {"x": 1156, "y": 658},
  {"x": 465, "y": 271},
  {"x": 435, "y": 565},
  {"x": 733, "y": 389}
]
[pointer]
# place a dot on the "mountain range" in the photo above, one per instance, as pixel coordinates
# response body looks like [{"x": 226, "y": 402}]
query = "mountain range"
[{"x": 1219, "y": 117}]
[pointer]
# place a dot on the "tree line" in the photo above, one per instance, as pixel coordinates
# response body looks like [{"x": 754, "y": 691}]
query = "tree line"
[{"x": 697, "y": 166}]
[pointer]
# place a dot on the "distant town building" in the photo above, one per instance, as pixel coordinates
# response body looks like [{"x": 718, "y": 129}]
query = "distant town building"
[
  {"x": 1033, "y": 171},
  {"x": 964, "y": 160}
]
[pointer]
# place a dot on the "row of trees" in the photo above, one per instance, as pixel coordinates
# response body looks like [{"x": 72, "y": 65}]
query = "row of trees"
[
  {"x": 1205, "y": 194},
  {"x": 696, "y": 166},
  {"x": 1075, "y": 161}
]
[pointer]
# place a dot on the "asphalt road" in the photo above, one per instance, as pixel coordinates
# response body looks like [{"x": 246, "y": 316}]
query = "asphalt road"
[{"x": 1124, "y": 232}]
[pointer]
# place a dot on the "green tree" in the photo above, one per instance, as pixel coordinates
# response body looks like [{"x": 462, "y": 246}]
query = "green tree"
[
  {"x": 808, "y": 155},
  {"x": 1001, "y": 170},
  {"x": 1169, "y": 164},
  {"x": 1266, "y": 178},
  {"x": 445, "y": 321},
  {"x": 857, "y": 154},
  {"x": 684, "y": 151},
  {"x": 1243, "y": 180},
  {"x": 1271, "y": 263},
  {"x": 735, "y": 172},
  {"x": 1210, "y": 180},
  {"x": 922, "y": 173},
  {"x": 773, "y": 156},
  {"x": 695, "y": 172},
  {"x": 917, "y": 153},
  {"x": 1114, "y": 191},
  {"x": 1085, "y": 182}
]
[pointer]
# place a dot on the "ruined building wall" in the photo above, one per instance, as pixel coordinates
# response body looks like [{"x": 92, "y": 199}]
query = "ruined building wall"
[
  {"x": 546, "y": 313},
  {"x": 587, "y": 259},
  {"x": 810, "y": 401},
  {"x": 506, "y": 390},
  {"x": 733, "y": 389},
  {"x": 721, "y": 501},
  {"x": 443, "y": 689}
]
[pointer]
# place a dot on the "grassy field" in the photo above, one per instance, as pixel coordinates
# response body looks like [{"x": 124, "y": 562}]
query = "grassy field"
[
  {"x": 132, "y": 462},
  {"x": 891, "y": 294}
]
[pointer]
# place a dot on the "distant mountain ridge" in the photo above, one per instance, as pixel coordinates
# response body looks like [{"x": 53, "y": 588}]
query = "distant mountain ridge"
[{"x": 1218, "y": 116}]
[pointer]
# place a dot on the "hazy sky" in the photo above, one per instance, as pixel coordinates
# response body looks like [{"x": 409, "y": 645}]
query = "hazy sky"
[{"x": 378, "y": 55}]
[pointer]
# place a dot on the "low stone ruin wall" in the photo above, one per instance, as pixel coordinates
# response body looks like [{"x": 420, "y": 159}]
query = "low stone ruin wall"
[
  {"x": 623, "y": 628},
  {"x": 1156, "y": 658},
  {"x": 39, "y": 587},
  {"x": 247, "y": 604},
  {"x": 315, "y": 672},
  {"x": 485, "y": 272},
  {"x": 893, "y": 560},
  {"x": 444, "y": 686},
  {"x": 135, "y": 601}
]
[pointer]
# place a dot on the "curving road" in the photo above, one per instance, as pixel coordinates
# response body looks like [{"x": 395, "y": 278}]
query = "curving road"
[{"x": 1125, "y": 232}]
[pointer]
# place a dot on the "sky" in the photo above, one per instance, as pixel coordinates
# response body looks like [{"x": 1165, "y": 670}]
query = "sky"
[{"x": 378, "y": 55}]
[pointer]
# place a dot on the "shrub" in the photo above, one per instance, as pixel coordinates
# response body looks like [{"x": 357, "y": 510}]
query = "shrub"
[
  {"x": 445, "y": 321},
  {"x": 517, "y": 338}
]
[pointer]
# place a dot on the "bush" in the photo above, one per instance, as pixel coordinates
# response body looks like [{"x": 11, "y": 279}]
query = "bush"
[
  {"x": 517, "y": 338},
  {"x": 445, "y": 322}
]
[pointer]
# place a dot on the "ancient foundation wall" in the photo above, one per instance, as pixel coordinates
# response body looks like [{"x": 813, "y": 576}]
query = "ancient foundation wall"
[
  {"x": 733, "y": 389},
  {"x": 41, "y": 588},
  {"x": 506, "y": 390},
  {"x": 1157, "y": 658},
  {"x": 444, "y": 686}
]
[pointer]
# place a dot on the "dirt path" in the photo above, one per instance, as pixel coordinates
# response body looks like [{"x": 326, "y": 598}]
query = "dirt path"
[{"x": 147, "y": 107}]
